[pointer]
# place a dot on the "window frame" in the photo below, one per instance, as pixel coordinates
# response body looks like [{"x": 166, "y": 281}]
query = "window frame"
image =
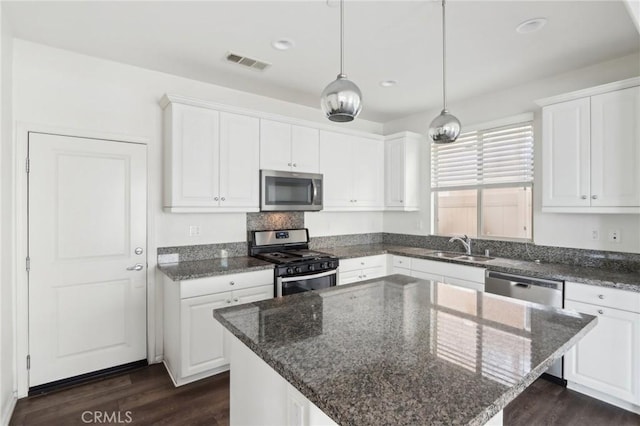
[{"x": 510, "y": 121}]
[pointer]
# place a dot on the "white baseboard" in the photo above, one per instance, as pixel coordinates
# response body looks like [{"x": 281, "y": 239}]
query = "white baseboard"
[
  {"x": 7, "y": 412},
  {"x": 604, "y": 397}
]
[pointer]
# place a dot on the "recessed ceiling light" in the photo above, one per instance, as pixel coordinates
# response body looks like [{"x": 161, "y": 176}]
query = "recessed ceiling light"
[
  {"x": 388, "y": 83},
  {"x": 531, "y": 25},
  {"x": 283, "y": 44}
]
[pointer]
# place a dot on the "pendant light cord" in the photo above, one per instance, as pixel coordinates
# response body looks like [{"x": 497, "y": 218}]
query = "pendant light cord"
[
  {"x": 341, "y": 37},
  {"x": 444, "y": 58}
]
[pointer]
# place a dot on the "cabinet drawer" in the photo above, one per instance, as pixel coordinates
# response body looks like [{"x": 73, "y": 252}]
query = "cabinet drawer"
[
  {"x": 426, "y": 276},
  {"x": 220, "y": 283},
  {"x": 375, "y": 272},
  {"x": 402, "y": 262},
  {"x": 474, "y": 285},
  {"x": 603, "y": 296},
  {"x": 362, "y": 262},
  {"x": 463, "y": 272}
]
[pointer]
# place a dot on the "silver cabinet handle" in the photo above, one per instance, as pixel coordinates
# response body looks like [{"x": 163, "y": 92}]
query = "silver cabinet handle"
[
  {"x": 215, "y": 198},
  {"x": 594, "y": 197},
  {"x": 136, "y": 267},
  {"x": 232, "y": 282},
  {"x": 584, "y": 197},
  {"x": 600, "y": 311},
  {"x": 601, "y": 296}
]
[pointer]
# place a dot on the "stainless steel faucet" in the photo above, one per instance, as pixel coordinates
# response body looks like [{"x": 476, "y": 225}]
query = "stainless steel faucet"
[{"x": 466, "y": 242}]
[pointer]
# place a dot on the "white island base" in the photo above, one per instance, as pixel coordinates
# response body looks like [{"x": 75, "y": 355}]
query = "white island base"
[{"x": 261, "y": 396}]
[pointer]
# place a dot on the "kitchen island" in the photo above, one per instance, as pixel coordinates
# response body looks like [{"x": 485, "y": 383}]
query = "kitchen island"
[{"x": 394, "y": 350}]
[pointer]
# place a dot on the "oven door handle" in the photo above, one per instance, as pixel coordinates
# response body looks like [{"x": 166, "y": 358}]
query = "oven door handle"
[{"x": 308, "y": 277}]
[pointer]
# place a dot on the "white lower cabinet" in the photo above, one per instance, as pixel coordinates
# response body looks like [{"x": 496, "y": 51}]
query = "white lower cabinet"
[
  {"x": 362, "y": 268},
  {"x": 450, "y": 273},
  {"x": 606, "y": 363},
  {"x": 195, "y": 344}
]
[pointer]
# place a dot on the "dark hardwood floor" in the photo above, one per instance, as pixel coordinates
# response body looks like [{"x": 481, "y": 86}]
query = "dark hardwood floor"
[{"x": 148, "y": 397}]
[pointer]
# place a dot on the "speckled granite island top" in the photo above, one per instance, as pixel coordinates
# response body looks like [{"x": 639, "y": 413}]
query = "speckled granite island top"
[{"x": 404, "y": 351}]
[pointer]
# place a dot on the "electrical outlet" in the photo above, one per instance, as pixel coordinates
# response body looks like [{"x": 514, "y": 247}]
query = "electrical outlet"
[
  {"x": 194, "y": 230},
  {"x": 595, "y": 234},
  {"x": 614, "y": 236}
]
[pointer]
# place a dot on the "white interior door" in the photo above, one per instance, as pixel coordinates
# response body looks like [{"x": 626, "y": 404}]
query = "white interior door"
[{"x": 87, "y": 230}]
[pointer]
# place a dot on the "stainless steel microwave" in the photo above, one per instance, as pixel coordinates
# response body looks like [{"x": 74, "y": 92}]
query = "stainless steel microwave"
[{"x": 290, "y": 191}]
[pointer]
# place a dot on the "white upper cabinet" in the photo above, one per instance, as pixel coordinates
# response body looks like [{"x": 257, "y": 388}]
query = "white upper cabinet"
[
  {"x": 289, "y": 147},
  {"x": 353, "y": 169},
  {"x": 591, "y": 149},
  {"x": 211, "y": 160},
  {"x": 402, "y": 172}
]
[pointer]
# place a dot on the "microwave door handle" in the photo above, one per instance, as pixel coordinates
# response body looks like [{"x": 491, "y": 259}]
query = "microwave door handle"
[
  {"x": 315, "y": 191},
  {"x": 308, "y": 277}
]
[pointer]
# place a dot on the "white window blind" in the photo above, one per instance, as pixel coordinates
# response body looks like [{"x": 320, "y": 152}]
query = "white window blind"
[{"x": 484, "y": 157}]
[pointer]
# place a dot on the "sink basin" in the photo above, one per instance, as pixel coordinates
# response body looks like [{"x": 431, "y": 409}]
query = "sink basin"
[
  {"x": 447, "y": 254},
  {"x": 476, "y": 258}
]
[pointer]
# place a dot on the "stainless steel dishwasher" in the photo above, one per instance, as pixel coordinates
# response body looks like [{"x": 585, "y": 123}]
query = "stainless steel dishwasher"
[{"x": 537, "y": 290}]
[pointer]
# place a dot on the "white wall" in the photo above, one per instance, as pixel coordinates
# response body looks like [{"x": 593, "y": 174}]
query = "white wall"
[
  {"x": 567, "y": 230},
  {"x": 64, "y": 89},
  {"x": 7, "y": 323}
]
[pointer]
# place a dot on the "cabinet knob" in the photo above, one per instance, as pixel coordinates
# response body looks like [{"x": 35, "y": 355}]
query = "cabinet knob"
[
  {"x": 295, "y": 165},
  {"x": 215, "y": 198},
  {"x": 364, "y": 276},
  {"x": 228, "y": 300},
  {"x": 232, "y": 282},
  {"x": 359, "y": 276},
  {"x": 235, "y": 299},
  {"x": 289, "y": 164},
  {"x": 584, "y": 197},
  {"x": 600, "y": 311},
  {"x": 601, "y": 296},
  {"x": 594, "y": 197},
  {"x": 402, "y": 201},
  {"x": 362, "y": 263},
  {"x": 222, "y": 199}
]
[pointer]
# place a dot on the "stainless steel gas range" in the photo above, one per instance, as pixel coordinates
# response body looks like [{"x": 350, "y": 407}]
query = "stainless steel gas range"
[{"x": 297, "y": 268}]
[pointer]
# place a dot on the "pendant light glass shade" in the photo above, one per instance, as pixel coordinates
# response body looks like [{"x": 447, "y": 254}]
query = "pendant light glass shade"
[
  {"x": 341, "y": 100},
  {"x": 445, "y": 128}
]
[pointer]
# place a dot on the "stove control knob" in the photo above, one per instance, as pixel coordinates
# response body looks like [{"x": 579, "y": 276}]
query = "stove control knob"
[
  {"x": 323, "y": 265},
  {"x": 332, "y": 265},
  {"x": 312, "y": 267},
  {"x": 289, "y": 271},
  {"x": 298, "y": 269}
]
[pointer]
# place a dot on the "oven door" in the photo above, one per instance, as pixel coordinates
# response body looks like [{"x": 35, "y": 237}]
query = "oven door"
[
  {"x": 287, "y": 191},
  {"x": 291, "y": 285}
]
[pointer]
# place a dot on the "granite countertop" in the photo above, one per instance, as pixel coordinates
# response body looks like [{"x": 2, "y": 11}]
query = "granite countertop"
[
  {"x": 211, "y": 267},
  {"x": 593, "y": 276},
  {"x": 405, "y": 351}
]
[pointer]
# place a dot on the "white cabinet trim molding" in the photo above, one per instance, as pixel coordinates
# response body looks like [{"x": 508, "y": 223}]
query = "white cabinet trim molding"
[{"x": 591, "y": 91}]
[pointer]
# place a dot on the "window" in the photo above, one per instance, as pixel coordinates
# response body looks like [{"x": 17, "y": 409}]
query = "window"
[{"x": 482, "y": 183}]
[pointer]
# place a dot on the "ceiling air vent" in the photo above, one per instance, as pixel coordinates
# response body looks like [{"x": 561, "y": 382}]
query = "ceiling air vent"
[{"x": 247, "y": 62}]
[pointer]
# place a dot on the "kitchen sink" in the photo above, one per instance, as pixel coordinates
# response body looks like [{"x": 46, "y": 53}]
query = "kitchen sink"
[
  {"x": 447, "y": 254},
  {"x": 477, "y": 258}
]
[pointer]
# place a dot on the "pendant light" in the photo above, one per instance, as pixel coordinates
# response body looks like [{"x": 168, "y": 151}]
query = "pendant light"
[
  {"x": 341, "y": 100},
  {"x": 445, "y": 128}
]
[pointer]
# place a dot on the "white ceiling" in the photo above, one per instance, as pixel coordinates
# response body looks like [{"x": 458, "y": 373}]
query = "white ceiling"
[{"x": 391, "y": 39}]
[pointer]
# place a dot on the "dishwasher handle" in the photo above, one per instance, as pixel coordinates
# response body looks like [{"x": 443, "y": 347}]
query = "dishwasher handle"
[{"x": 527, "y": 282}]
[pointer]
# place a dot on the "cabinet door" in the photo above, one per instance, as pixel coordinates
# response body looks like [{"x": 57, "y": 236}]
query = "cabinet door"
[
  {"x": 239, "y": 160},
  {"x": 202, "y": 336},
  {"x": 394, "y": 173},
  {"x": 615, "y": 148},
  {"x": 305, "y": 149},
  {"x": 566, "y": 154},
  {"x": 368, "y": 172},
  {"x": 336, "y": 165},
  {"x": 254, "y": 294},
  {"x": 607, "y": 359},
  {"x": 275, "y": 145},
  {"x": 191, "y": 156}
]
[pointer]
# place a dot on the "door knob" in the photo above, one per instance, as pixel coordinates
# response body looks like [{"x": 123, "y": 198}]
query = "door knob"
[
  {"x": 138, "y": 250},
  {"x": 136, "y": 267}
]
